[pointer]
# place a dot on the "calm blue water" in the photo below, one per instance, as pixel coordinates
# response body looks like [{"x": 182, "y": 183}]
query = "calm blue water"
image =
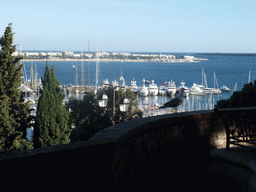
[{"x": 228, "y": 69}]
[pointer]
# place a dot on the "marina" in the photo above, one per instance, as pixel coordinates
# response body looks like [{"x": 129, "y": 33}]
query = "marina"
[
  {"x": 231, "y": 70},
  {"x": 76, "y": 78}
]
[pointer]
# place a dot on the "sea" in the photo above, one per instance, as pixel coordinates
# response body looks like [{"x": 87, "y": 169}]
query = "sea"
[{"x": 230, "y": 70}]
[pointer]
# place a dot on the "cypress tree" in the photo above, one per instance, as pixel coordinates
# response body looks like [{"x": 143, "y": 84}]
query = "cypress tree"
[
  {"x": 14, "y": 112},
  {"x": 51, "y": 124}
]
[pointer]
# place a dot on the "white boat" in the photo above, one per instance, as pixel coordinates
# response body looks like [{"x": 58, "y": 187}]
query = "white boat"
[
  {"x": 30, "y": 100},
  {"x": 211, "y": 91},
  {"x": 225, "y": 89},
  {"x": 123, "y": 85},
  {"x": 204, "y": 87},
  {"x": 162, "y": 90},
  {"x": 105, "y": 84},
  {"x": 134, "y": 87},
  {"x": 144, "y": 90},
  {"x": 115, "y": 84},
  {"x": 214, "y": 90},
  {"x": 25, "y": 88},
  {"x": 171, "y": 88},
  {"x": 186, "y": 91},
  {"x": 153, "y": 89},
  {"x": 196, "y": 90}
]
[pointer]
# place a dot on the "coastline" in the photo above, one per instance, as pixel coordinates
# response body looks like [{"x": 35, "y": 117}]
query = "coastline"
[{"x": 195, "y": 60}]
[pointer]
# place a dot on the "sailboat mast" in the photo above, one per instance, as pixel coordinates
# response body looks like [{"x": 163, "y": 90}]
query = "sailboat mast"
[
  {"x": 76, "y": 76},
  {"x": 89, "y": 65},
  {"x": 35, "y": 74},
  {"x": 205, "y": 81},
  {"x": 82, "y": 69},
  {"x": 97, "y": 68},
  {"x": 202, "y": 76},
  {"x": 82, "y": 74},
  {"x": 32, "y": 74},
  {"x": 214, "y": 79}
]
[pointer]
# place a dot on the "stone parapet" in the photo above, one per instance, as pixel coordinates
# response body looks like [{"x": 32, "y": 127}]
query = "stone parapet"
[{"x": 170, "y": 151}]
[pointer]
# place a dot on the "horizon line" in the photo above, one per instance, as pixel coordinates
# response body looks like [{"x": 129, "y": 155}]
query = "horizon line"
[{"x": 143, "y": 52}]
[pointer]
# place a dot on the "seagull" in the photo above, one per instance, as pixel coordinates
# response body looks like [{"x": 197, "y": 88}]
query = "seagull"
[{"x": 175, "y": 102}]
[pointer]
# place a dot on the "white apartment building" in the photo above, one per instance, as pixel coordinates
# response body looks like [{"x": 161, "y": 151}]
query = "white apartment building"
[
  {"x": 140, "y": 55},
  {"x": 42, "y": 54},
  {"x": 114, "y": 54},
  {"x": 167, "y": 56},
  {"x": 54, "y": 54},
  {"x": 27, "y": 54},
  {"x": 88, "y": 55},
  {"x": 189, "y": 57},
  {"x": 126, "y": 54},
  {"x": 154, "y": 56},
  {"x": 68, "y": 53},
  {"x": 77, "y": 55},
  {"x": 101, "y": 54},
  {"x": 123, "y": 54}
]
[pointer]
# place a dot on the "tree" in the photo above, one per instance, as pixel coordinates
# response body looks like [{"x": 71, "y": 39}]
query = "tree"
[
  {"x": 244, "y": 98},
  {"x": 52, "y": 120},
  {"x": 88, "y": 118},
  {"x": 14, "y": 113},
  {"x": 133, "y": 110}
]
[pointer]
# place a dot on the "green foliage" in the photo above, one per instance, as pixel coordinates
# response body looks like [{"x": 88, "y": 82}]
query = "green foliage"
[
  {"x": 133, "y": 110},
  {"x": 52, "y": 119},
  {"x": 14, "y": 113},
  {"x": 244, "y": 98},
  {"x": 88, "y": 118}
]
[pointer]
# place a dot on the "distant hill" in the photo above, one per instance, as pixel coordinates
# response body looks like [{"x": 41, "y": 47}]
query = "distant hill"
[{"x": 231, "y": 54}]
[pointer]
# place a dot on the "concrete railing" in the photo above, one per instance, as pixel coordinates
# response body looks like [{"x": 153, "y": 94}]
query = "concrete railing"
[{"x": 170, "y": 151}]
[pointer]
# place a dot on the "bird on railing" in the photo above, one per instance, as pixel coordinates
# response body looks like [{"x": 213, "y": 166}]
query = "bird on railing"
[{"x": 175, "y": 102}]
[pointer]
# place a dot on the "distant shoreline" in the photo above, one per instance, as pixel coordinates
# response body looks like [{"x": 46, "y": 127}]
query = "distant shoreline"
[{"x": 124, "y": 60}]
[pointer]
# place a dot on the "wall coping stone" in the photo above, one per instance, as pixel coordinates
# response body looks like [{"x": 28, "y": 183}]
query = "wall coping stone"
[{"x": 123, "y": 130}]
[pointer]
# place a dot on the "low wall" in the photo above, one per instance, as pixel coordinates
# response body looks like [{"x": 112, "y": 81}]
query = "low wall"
[{"x": 168, "y": 151}]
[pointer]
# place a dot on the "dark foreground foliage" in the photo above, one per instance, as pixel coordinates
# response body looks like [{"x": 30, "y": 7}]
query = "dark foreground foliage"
[{"x": 244, "y": 98}]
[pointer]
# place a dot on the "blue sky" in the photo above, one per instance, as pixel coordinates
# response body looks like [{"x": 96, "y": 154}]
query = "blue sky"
[{"x": 134, "y": 26}]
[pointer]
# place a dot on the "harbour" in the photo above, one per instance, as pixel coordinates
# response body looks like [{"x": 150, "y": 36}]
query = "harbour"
[{"x": 230, "y": 70}]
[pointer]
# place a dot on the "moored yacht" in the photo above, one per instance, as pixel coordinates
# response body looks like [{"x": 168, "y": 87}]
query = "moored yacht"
[
  {"x": 196, "y": 90},
  {"x": 105, "y": 84},
  {"x": 134, "y": 87},
  {"x": 186, "y": 90},
  {"x": 115, "y": 84},
  {"x": 171, "y": 88},
  {"x": 225, "y": 89},
  {"x": 162, "y": 90},
  {"x": 123, "y": 85},
  {"x": 208, "y": 90},
  {"x": 153, "y": 89},
  {"x": 144, "y": 90}
]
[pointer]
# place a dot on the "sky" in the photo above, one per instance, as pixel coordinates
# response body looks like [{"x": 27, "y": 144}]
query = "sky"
[{"x": 227, "y": 26}]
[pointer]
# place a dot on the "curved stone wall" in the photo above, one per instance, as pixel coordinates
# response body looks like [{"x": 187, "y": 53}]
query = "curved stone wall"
[{"x": 170, "y": 151}]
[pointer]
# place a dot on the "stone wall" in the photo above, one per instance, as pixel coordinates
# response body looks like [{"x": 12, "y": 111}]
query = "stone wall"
[{"x": 169, "y": 151}]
